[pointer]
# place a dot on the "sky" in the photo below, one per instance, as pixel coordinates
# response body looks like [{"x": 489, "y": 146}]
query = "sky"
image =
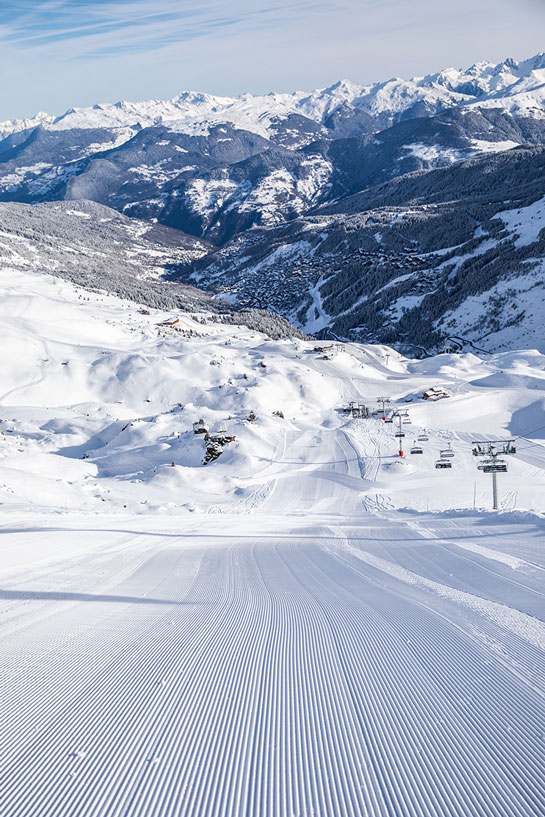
[{"x": 56, "y": 54}]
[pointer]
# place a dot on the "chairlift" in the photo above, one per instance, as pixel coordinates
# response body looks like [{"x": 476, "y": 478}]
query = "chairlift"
[
  {"x": 388, "y": 420},
  {"x": 399, "y": 434},
  {"x": 498, "y": 467},
  {"x": 422, "y": 438},
  {"x": 407, "y": 420},
  {"x": 417, "y": 449},
  {"x": 443, "y": 464},
  {"x": 447, "y": 452}
]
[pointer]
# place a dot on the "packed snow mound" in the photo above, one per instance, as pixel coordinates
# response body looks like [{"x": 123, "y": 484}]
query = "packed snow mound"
[
  {"x": 111, "y": 408},
  {"x": 515, "y": 86}
]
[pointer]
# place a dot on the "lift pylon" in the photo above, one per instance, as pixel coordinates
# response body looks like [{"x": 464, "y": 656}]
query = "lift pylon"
[
  {"x": 490, "y": 452},
  {"x": 383, "y": 402},
  {"x": 401, "y": 417}
]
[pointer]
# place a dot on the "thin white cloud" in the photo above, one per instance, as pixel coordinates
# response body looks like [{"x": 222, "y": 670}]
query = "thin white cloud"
[
  {"x": 60, "y": 24},
  {"x": 59, "y": 53}
]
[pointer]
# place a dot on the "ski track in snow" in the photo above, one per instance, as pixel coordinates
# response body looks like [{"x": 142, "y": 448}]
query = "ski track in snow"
[{"x": 274, "y": 673}]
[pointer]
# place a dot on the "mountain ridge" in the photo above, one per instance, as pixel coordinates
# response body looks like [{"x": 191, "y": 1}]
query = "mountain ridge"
[{"x": 507, "y": 83}]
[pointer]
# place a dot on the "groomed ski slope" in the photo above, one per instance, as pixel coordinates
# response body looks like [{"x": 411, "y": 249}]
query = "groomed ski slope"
[
  {"x": 308, "y": 649},
  {"x": 277, "y": 664}
]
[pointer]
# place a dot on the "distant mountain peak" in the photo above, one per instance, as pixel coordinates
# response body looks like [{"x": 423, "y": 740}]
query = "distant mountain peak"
[{"x": 514, "y": 85}]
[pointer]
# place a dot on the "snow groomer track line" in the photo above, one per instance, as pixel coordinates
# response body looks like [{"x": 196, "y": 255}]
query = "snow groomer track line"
[{"x": 272, "y": 676}]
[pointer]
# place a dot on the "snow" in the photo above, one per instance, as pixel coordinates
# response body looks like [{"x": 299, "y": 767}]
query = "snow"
[
  {"x": 109, "y": 383},
  {"x": 527, "y": 222},
  {"x": 483, "y": 146},
  {"x": 319, "y": 173},
  {"x": 270, "y": 196},
  {"x": 405, "y": 302},
  {"x": 518, "y": 310},
  {"x": 12, "y": 180},
  {"x": 279, "y": 186},
  {"x": 518, "y": 87},
  {"x": 204, "y": 196},
  {"x": 308, "y": 625},
  {"x": 431, "y": 153},
  {"x": 79, "y": 214},
  {"x": 435, "y": 153},
  {"x": 316, "y": 317},
  {"x": 158, "y": 173}
]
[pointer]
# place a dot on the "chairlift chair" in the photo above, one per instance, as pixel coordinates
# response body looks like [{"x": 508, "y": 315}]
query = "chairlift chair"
[
  {"x": 422, "y": 438},
  {"x": 498, "y": 467},
  {"x": 388, "y": 420},
  {"x": 443, "y": 464},
  {"x": 399, "y": 434},
  {"x": 417, "y": 449},
  {"x": 406, "y": 420}
]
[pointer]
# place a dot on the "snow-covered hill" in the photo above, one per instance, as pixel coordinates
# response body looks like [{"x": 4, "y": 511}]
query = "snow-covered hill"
[
  {"x": 100, "y": 249},
  {"x": 100, "y": 401},
  {"x": 85, "y": 237}
]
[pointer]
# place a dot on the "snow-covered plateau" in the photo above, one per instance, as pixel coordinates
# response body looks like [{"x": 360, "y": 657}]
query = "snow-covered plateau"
[{"x": 307, "y": 624}]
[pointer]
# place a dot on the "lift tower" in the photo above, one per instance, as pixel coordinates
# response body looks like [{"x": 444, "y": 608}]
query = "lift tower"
[
  {"x": 402, "y": 417},
  {"x": 383, "y": 402},
  {"x": 490, "y": 452}
]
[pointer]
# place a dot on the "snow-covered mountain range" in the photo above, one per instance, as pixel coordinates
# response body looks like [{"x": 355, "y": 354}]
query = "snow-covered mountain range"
[
  {"x": 517, "y": 87},
  {"x": 340, "y": 208}
]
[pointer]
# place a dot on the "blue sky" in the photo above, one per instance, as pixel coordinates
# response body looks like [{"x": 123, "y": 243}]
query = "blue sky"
[{"x": 56, "y": 54}]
